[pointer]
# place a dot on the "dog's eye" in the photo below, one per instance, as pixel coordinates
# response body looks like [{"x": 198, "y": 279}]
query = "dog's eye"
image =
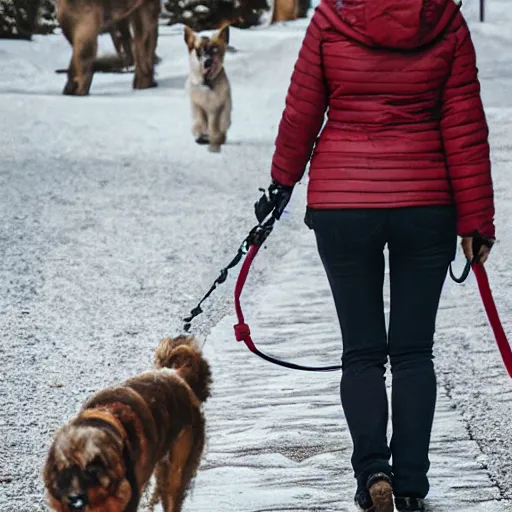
[
  {"x": 63, "y": 480},
  {"x": 95, "y": 470}
]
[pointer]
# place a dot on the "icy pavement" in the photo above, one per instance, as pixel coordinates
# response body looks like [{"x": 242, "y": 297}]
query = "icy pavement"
[
  {"x": 113, "y": 223},
  {"x": 277, "y": 438}
]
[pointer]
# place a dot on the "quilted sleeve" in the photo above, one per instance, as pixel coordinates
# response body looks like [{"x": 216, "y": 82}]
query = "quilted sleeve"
[
  {"x": 465, "y": 136},
  {"x": 306, "y": 102}
]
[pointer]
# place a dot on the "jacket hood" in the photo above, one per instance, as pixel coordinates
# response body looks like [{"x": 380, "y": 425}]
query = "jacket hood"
[{"x": 394, "y": 24}]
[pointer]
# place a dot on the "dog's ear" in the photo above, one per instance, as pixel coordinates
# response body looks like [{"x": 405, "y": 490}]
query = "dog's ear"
[
  {"x": 50, "y": 473},
  {"x": 190, "y": 37},
  {"x": 223, "y": 34}
]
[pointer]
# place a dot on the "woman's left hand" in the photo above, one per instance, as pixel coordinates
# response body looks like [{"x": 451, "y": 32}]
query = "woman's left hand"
[{"x": 275, "y": 200}]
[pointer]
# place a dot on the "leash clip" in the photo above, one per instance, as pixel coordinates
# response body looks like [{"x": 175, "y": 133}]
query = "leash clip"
[{"x": 260, "y": 233}]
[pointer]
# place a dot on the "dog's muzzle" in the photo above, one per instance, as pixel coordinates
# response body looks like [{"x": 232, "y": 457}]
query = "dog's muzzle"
[
  {"x": 208, "y": 72},
  {"x": 208, "y": 62},
  {"x": 208, "y": 68},
  {"x": 77, "y": 501}
]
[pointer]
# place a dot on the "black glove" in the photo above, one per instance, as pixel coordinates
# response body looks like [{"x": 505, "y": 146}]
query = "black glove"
[
  {"x": 478, "y": 242},
  {"x": 274, "y": 201}
]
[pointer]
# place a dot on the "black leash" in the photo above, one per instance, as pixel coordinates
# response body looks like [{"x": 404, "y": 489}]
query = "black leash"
[
  {"x": 242, "y": 250},
  {"x": 256, "y": 236}
]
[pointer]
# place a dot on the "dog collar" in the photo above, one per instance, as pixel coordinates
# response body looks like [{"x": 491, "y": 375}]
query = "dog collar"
[
  {"x": 106, "y": 417},
  {"x": 103, "y": 416}
]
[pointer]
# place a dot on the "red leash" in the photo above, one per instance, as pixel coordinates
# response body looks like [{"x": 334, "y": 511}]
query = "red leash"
[
  {"x": 243, "y": 332},
  {"x": 492, "y": 315}
]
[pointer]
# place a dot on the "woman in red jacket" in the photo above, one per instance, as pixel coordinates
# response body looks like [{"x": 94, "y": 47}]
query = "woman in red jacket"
[{"x": 402, "y": 160}]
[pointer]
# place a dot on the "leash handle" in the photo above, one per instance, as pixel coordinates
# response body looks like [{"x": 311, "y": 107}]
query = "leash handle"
[
  {"x": 464, "y": 275},
  {"x": 492, "y": 314},
  {"x": 243, "y": 331}
]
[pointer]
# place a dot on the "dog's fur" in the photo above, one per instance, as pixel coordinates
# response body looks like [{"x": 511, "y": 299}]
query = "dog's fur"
[
  {"x": 284, "y": 10},
  {"x": 152, "y": 423},
  {"x": 123, "y": 41},
  {"x": 123, "y": 60},
  {"x": 208, "y": 87},
  {"x": 83, "y": 20}
]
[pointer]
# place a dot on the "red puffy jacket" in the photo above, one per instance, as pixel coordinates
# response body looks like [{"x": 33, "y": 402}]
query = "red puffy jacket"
[{"x": 405, "y": 123}]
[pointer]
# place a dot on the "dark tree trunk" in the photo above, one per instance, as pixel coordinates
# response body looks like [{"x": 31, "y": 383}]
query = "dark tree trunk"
[{"x": 304, "y": 6}]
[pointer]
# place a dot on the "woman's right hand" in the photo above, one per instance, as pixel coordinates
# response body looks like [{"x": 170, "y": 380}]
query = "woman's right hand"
[{"x": 477, "y": 248}]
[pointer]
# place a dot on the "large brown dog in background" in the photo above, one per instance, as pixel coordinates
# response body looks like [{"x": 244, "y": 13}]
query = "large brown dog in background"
[
  {"x": 102, "y": 460},
  {"x": 82, "y": 21}
]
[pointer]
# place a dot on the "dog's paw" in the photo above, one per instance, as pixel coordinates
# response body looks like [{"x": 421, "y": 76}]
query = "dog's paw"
[
  {"x": 214, "y": 148},
  {"x": 203, "y": 139},
  {"x": 71, "y": 87}
]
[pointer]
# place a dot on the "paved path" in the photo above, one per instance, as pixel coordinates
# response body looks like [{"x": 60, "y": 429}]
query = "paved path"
[{"x": 278, "y": 439}]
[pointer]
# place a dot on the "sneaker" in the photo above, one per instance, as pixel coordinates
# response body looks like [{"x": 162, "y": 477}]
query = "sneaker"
[
  {"x": 377, "y": 496},
  {"x": 410, "y": 504}
]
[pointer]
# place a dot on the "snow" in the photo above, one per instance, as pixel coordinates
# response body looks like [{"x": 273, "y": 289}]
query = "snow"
[{"x": 113, "y": 223}]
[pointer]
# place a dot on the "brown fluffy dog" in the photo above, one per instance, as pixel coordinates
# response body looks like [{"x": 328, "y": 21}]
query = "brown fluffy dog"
[
  {"x": 83, "y": 20},
  {"x": 102, "y": 460}
]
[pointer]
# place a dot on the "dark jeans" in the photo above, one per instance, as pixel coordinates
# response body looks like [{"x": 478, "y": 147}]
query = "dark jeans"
[{"x": 421, "y": 243}]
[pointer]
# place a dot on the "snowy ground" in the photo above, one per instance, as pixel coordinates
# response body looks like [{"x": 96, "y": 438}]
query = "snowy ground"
[{"x": 113, "y": 222}]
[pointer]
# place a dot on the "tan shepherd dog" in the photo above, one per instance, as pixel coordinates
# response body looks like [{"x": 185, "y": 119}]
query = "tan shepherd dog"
[
  {"x": 208, "y": 87},
  {"x": 82, "y": 21},
  {"x": 102, "y": 460}
]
